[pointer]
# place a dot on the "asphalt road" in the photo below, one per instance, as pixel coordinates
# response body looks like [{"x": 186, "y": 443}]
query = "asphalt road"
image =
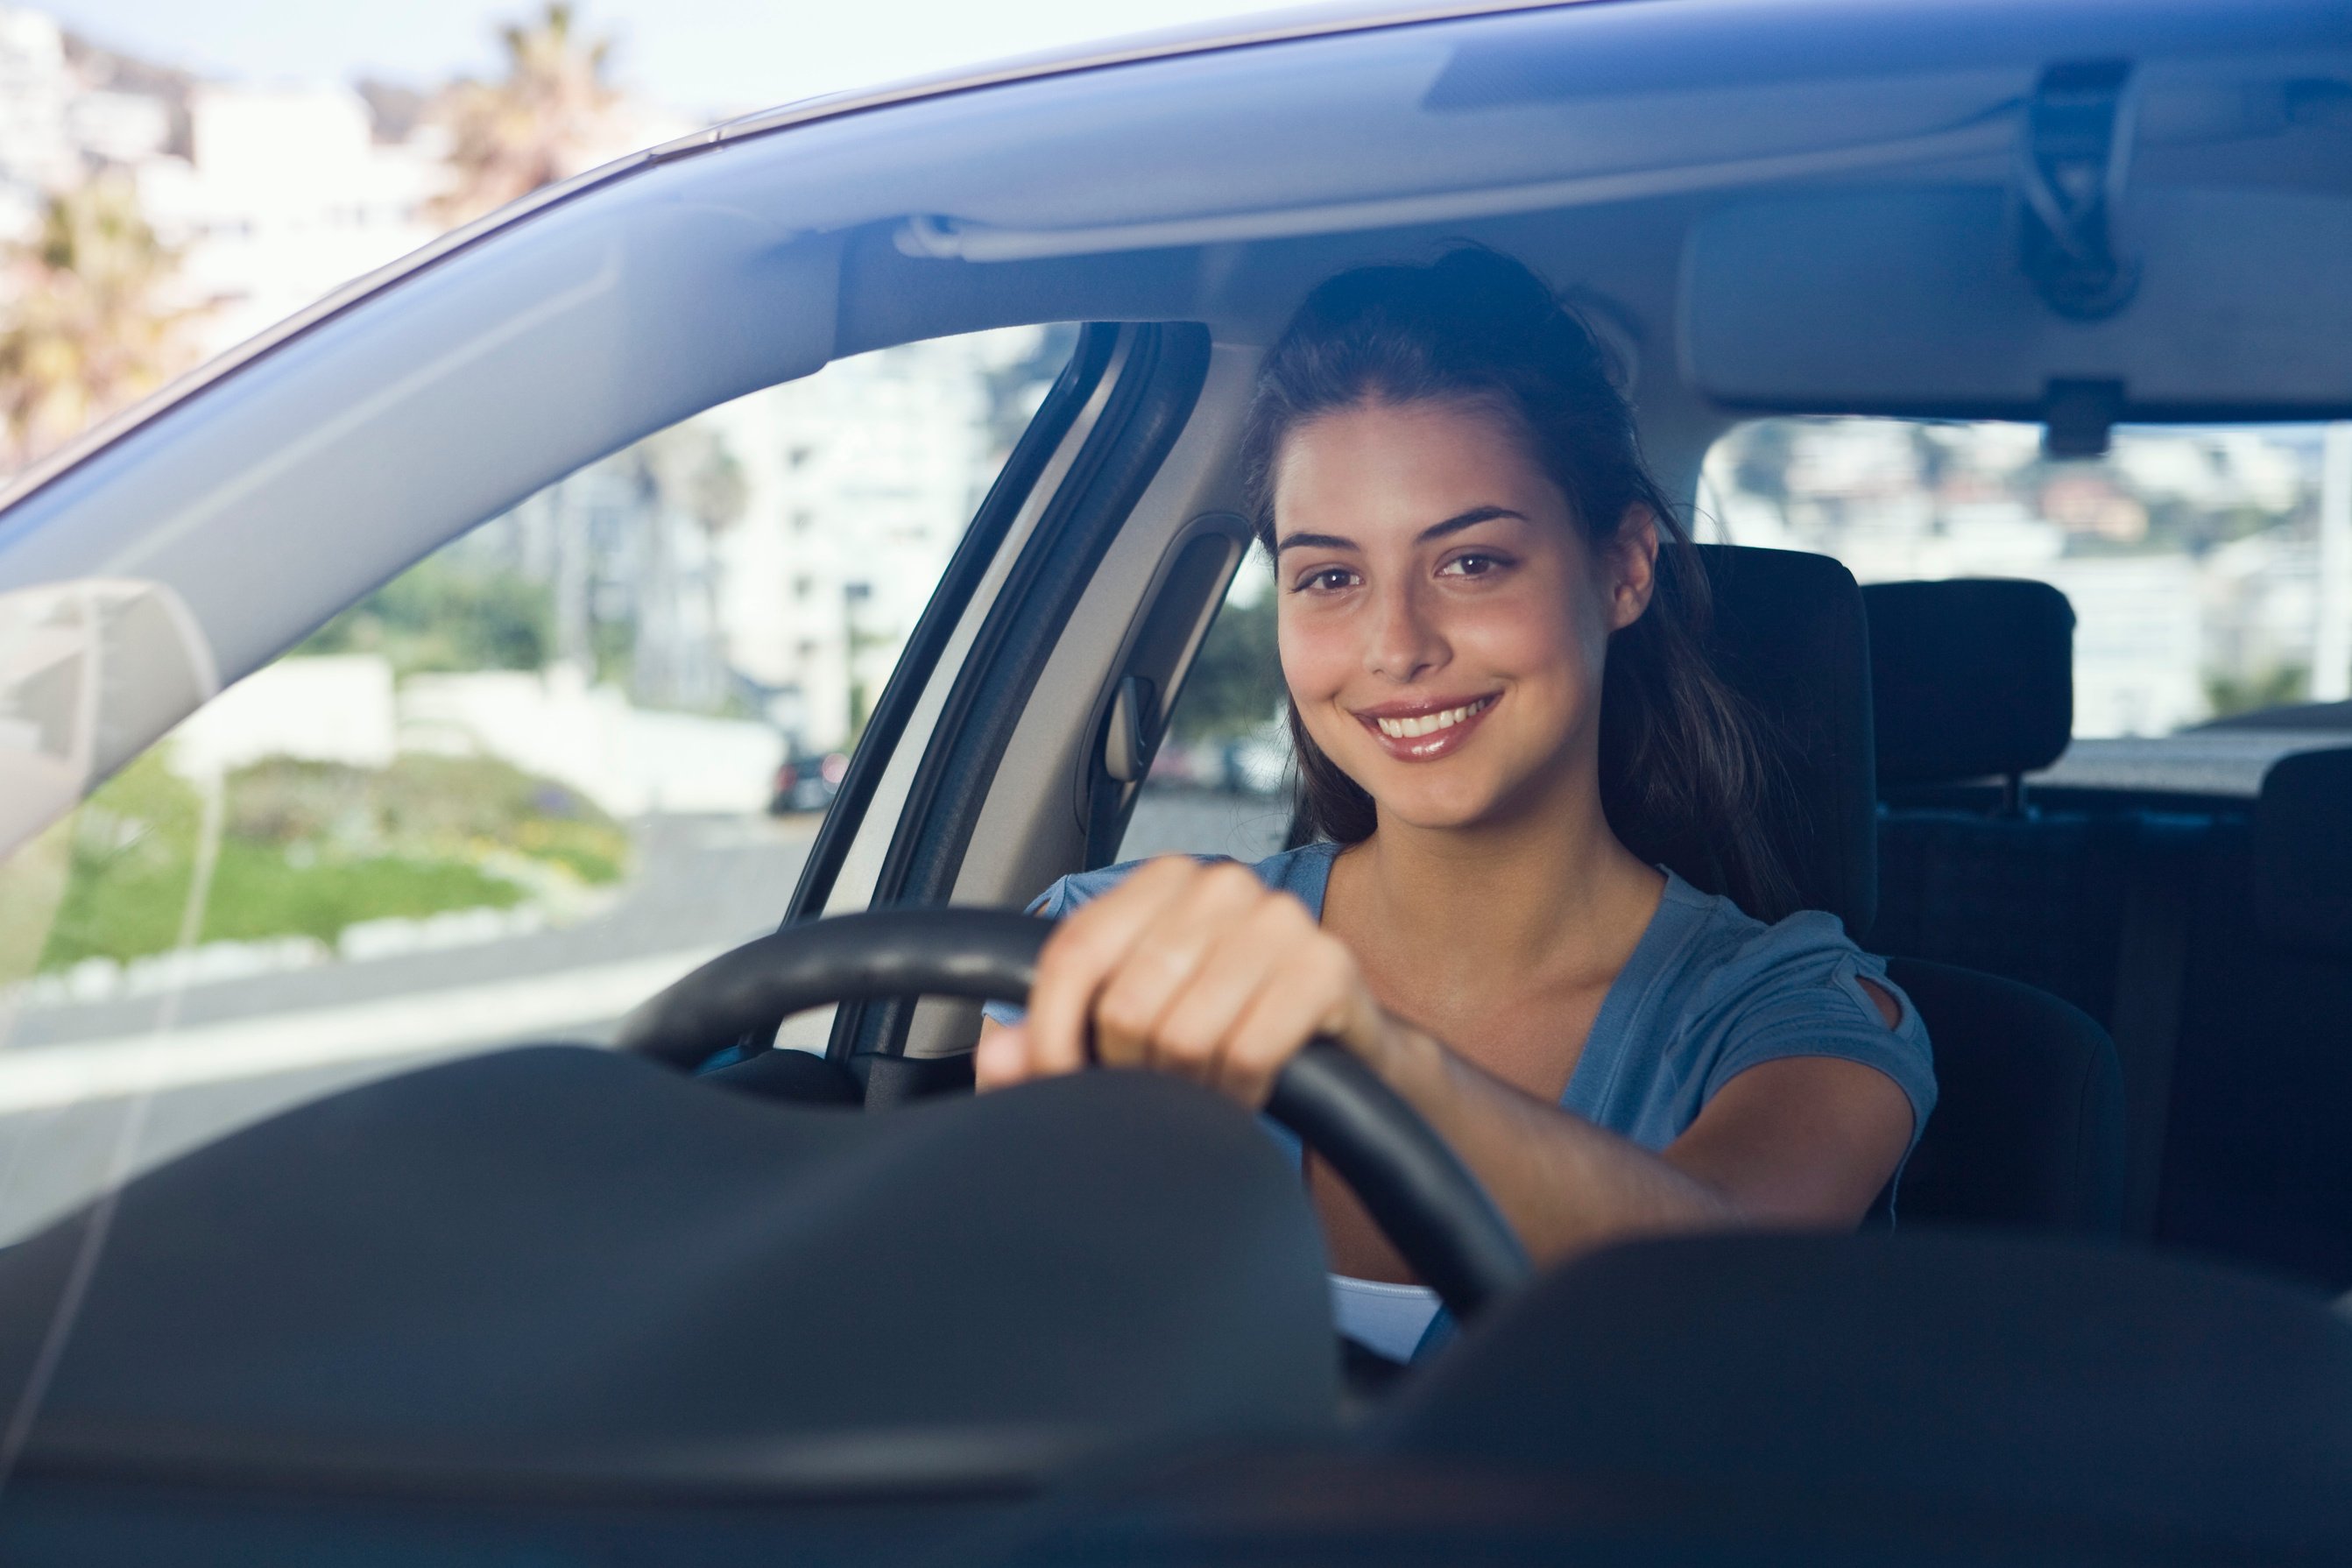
[{"x": 92, "y": 1093}]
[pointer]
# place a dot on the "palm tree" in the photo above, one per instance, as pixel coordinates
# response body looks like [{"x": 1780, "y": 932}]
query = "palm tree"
[
  {"x": 551, "y": 115},
  {"x": 84, "y": 330}
]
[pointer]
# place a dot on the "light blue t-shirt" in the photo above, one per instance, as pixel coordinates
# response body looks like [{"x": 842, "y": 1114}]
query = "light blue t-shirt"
[{"x": 1708, "y": 993}]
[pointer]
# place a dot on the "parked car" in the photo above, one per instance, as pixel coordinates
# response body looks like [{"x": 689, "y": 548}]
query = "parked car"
[
  {"x": 807, "y": 780},
  {"x": 563, "y": 1303}
]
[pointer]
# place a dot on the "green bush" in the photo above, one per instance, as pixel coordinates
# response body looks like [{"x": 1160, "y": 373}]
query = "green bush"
[
  {"x": 443, "y": 614},
  {"x": 309, "y": 848}
]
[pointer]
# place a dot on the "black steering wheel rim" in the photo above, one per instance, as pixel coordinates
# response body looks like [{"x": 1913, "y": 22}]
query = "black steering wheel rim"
[{"x": 1416, "y": 1187}]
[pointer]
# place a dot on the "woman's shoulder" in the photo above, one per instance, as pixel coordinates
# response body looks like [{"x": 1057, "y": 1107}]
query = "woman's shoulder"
[
  {"x": 1732, "y": 962},
  {"x": 1302, "y": 870},
  {"x": 1718, "y": 933},
  {"x": 1751, "y": 991}
]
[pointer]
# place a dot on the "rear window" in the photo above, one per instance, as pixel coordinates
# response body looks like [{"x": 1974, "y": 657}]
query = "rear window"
[{"x": 2209, "y": 567}]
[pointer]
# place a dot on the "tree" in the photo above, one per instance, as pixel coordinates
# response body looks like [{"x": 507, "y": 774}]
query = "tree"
[
  {"x": 85, "y": 330},
  {"x": 1236, "y": 684},
  {"x": 551, "y": 114}
]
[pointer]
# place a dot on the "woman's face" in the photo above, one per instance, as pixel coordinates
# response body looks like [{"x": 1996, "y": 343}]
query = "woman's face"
[{"x": 1443, "y": 621}]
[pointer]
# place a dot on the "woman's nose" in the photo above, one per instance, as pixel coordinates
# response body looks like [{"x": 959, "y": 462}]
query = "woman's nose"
[{"x": 1405, "y": 644}]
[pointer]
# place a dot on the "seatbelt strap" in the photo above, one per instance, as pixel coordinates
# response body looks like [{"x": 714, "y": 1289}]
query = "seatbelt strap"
[{"x": 2151, "y": 960}]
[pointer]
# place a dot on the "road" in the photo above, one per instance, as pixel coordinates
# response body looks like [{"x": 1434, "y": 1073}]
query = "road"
[{"x": 91, "y": 1093}]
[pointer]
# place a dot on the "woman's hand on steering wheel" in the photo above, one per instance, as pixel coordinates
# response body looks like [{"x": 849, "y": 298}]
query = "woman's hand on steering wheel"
[{"x": 1200, "y": 971}]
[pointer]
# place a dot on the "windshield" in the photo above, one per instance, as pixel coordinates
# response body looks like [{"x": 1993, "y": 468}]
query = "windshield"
[{"x": 514, "y": 792}]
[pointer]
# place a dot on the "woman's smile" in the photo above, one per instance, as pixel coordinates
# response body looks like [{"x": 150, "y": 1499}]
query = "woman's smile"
[{"x": 1420, "y": 732}]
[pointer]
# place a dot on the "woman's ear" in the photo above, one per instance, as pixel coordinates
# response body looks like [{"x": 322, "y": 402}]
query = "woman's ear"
[{"x": 1633, "y": 566}]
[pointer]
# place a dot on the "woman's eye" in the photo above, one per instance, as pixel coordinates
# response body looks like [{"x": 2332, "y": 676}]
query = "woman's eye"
[
  {"x": 1471, "y": 564},
  {"x": 1329, "y": 580}
]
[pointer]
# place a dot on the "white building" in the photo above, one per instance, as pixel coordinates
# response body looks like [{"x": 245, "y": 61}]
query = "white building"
[
  {"x": 860, "y": 480},
  {"x": 36, "y": 150},
  {"x": 285, "y": 196},
  {"x": 2138, "y": 642}
]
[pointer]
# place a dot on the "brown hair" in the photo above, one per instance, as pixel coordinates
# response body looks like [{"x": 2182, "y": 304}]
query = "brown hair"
[{"x": 1682, "y": 773}]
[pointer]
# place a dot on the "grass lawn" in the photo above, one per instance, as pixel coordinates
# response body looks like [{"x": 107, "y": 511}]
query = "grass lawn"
[{"x": 307, "y": 849}]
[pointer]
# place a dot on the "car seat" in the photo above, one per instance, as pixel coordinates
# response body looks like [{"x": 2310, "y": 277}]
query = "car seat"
[
  {"x": 1972, "y": 680},
  {"x": 2257, "y": 1164},
  {"x": 2028, "y": 1129}
]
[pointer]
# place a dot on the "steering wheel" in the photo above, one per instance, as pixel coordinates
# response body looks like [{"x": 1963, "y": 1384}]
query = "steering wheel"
[{"x": 1416, "y": 1187}]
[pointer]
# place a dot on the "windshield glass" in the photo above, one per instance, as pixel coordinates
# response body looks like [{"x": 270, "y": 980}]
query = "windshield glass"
[
  {"x": 510, "y": 794},
  {"x": 2210, "y": 568}
]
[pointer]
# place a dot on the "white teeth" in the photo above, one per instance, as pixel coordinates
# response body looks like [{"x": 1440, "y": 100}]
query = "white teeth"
[{"x": 1428, "y": 723}]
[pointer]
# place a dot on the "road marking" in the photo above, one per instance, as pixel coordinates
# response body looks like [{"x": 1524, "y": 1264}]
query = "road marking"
[{"x": 49, "y": 1075}]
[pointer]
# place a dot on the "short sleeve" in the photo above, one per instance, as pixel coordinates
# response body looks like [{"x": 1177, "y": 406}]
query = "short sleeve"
[{"x": 1795, "y": 990}]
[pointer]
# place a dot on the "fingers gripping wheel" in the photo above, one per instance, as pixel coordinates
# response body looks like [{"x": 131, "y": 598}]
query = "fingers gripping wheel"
[{"x": 1416, "y": 1187}]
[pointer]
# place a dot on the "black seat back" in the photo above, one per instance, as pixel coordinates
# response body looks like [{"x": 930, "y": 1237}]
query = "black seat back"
[
  {"x": 2258, "y": 1162},
  {"x": 2029, "y": 1125},
  {"x": 2025, "y": 1132},
  {"x": 1791, "y": 638},
  {"x": 1972, "y": 680}
]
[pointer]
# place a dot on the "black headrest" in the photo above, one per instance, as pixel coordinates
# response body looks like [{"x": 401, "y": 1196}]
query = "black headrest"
[
  {"x": 1789, "y": 637},
  {"x": 1974, "y": 678},
  {"x": 2302, "y": 852}
]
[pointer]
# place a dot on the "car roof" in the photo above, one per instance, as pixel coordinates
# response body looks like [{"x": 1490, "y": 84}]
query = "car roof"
[{"x": 1128, "y": 49}]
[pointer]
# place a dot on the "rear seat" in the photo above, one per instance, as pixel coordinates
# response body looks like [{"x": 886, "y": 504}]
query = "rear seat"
[
  {"x": 2258, "y": 1153},
  {"x": 1973, "y": 681}
]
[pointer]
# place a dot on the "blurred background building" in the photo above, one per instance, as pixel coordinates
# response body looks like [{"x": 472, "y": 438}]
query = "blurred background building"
[{"x": 2193, "y": 557}]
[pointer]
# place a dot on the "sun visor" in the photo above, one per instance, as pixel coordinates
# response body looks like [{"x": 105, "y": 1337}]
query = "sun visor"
[{"x": 1918, "y": 301}]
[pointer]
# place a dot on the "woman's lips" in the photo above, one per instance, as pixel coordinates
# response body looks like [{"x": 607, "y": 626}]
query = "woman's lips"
[{"x": 1452, "y": 729}]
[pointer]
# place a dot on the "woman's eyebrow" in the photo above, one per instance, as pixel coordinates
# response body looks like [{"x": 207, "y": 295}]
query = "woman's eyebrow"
[
  {"x": 1460, "y": 520},
  {"x": 1454, "y": 525}
]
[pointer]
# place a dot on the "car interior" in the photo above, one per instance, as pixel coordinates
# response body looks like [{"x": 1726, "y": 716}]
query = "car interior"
[{"x": 585, "y": 1302}]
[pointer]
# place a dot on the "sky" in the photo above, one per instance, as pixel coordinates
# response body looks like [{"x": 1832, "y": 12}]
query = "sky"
[{"x": 700, "y": 57}]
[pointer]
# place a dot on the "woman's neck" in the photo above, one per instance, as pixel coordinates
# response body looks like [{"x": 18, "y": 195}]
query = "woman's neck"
[{"x": 1546, "y": 895}]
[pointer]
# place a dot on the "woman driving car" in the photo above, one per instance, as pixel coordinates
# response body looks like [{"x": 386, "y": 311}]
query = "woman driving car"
[{"x": 1489, "y": 621}]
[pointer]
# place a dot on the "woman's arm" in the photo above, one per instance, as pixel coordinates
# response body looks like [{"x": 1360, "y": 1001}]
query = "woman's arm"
[
  {"x": 1803, "y": 1141},
  {"x": 1200, "y": 970}
]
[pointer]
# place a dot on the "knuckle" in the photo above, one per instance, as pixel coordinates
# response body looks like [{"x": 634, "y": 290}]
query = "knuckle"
[
  {"x": 1123, "y": 1014},
  {"x": 1181, "y": 1043}
]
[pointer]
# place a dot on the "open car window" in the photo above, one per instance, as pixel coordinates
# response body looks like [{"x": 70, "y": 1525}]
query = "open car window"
[
  {"x": 1219, "y": 783},
  {"x": 2210, "y": 568},
  {"x": 524, "y": 785}
]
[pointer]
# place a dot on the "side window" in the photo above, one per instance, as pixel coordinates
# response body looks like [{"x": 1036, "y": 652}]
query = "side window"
[
  {"x": 2210, "y": 568},
  {"x": 515, "y": 791},
  {"x": 1220, "y": 784}
]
